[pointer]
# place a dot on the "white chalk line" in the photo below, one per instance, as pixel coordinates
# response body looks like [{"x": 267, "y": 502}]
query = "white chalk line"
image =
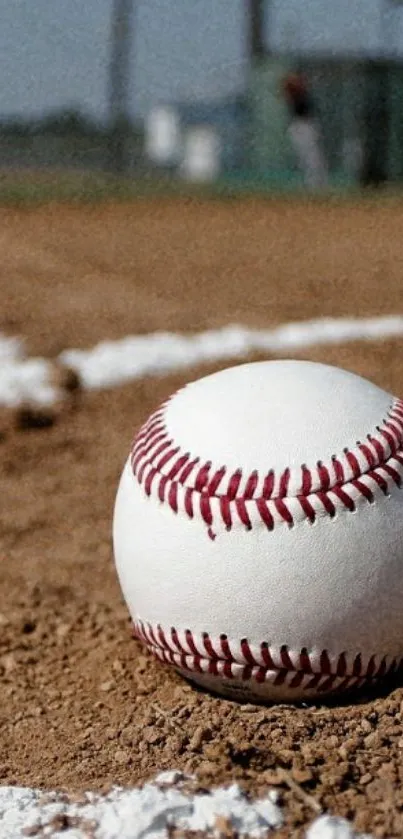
[
  {"x": 148, "y": 813},
  {"x": 111, "y": 363}
]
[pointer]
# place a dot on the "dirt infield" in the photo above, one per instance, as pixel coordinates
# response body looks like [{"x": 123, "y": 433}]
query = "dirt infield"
[{"x": 81, "y": 705}]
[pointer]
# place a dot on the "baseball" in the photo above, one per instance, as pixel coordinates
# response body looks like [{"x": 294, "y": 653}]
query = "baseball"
[{"x": 258, "y": 531}]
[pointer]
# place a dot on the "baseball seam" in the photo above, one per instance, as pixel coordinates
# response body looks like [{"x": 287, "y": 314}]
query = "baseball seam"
[
  {"x": 264, "y": 663},
  {"x": 220, "y": 496}
]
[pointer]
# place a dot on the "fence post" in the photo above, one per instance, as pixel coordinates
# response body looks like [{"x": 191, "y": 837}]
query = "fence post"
[{"x": 119, "y": 79}]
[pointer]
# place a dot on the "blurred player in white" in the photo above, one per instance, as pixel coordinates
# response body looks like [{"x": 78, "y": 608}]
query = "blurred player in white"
[{"x": 304, "y": 132}]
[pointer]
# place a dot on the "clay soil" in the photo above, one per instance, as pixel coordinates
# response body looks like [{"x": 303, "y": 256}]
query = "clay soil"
[{"x": 82, "y": 705}]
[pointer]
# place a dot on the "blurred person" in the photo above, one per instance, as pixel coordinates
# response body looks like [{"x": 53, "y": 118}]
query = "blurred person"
[{"x": 304, "y": 132}]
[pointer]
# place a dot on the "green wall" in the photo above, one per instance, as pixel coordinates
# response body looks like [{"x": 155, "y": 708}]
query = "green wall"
[
  {"x": 268, "y": 144},
  {"x": 360, "y": 109}
]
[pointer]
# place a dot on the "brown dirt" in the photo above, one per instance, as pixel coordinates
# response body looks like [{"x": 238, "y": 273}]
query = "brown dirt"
[{"x": 81, "y": 704}]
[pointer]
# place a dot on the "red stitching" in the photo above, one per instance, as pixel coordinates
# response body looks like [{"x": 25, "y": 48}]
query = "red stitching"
[
  {"x": 233, "y": 485},
  {"x": 339, "y": 471},
  {"x": 284, "y": 481},
  {"x": 251, "y": 485},
  {"x": 161, "y": 488},
  {"x": 176, "y": 468},
  {"x": 324, "y": 477},
  {"x": 264, "y": 663},
  {"x": 268, "y": 486},
  {"x": 353, "y": 463},
  {"x": 148, "y": 481},
  {"x": 205, "y": 509},
  {"x": 202, "y": 477},
  {"x": 265, "y": 513},
  {"x": 368, "y": 454},
  {"x": 364, "y": 490},
  {"x": 189, "y": 503},
  {"x": 173, "y": 497},
  {"x": 179, "y": 478},
  {"x": 283, "y": 511},
  {"x": 187, "y": 471},
  {"x": 382, "y": 484},
  {"x": 344, "y": 498},
  {"x": 243, "y": 513},
  {"x": 393, "y": 473},
  {"x": 378, "y": 447},
  {"x": 216, "y": 480},
  {"x": 306, "y": 480},
  {"x": 307, "y": 508},
  {"x": 225, "y": 510}
]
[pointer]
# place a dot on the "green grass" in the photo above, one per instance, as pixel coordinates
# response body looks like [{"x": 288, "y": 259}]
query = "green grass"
[{"x": 25, "y": 188}]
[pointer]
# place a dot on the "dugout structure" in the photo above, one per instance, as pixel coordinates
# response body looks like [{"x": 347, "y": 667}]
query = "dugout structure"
[{"x": 360, "y": 107}]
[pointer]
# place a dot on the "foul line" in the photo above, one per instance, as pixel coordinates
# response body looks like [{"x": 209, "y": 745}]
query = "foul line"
[{"x": 111, "y": 363}]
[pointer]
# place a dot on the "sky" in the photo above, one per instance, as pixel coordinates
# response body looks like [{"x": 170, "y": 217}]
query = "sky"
[{"x": 54, "y": 53}]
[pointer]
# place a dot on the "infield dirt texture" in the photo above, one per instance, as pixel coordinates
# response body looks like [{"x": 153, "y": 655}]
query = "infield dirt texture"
[{"x": 82, "y": 706}]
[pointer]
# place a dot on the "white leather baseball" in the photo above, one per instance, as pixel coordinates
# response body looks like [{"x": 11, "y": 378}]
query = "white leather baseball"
[{"x": 258, "y": 531}]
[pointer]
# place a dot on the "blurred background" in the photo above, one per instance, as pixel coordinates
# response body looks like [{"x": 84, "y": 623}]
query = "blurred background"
[{"x": 162, "y": 92}]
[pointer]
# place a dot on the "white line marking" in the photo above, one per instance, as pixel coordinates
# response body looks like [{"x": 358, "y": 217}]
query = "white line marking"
[
  {"x": 136, "y": 813},
  {"x": 150, "y": 811},
  {"x": 110, "y": 363}
]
